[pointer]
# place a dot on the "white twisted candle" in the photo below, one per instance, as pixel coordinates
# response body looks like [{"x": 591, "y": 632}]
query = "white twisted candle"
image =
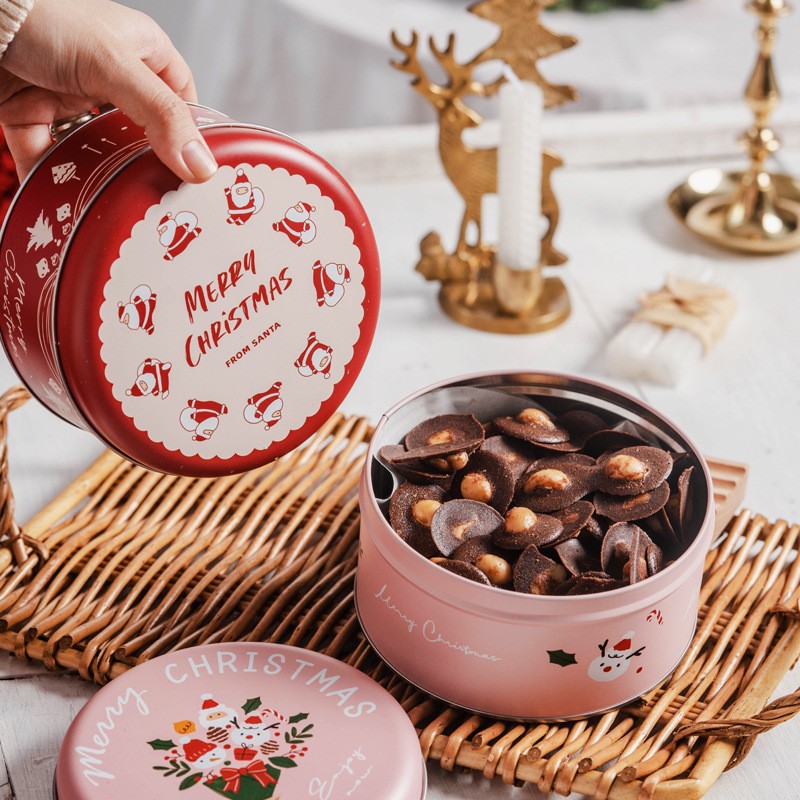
[{"x": 519, "y": 178}]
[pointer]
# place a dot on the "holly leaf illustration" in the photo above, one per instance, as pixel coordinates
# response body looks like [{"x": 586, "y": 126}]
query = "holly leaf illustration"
[
  {"x": 162, "y": 744},
  {"x": 283, "y": 762},
  {"x": 251, "y": 705},
  {"x": 190, "y": 781},
  {"x": 298, "y": 718},
  {"x": 561, "y": 657}
]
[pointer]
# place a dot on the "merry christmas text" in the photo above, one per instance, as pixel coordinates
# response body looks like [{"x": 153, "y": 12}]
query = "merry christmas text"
[
  {"x": 206, "y": 296},
  {"x": 329, "y": 684},
  {"x": 91, "y": 757}
]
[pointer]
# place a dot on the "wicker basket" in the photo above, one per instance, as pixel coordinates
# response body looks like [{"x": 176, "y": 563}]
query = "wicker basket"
[{"x": 125, "y": 565}]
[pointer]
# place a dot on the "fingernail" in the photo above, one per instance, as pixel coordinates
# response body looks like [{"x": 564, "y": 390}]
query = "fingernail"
[{"x": 199, "y": 160}]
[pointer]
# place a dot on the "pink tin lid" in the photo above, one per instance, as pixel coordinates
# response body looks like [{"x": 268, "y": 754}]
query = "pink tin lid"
[{"x": 247, "y": 721}]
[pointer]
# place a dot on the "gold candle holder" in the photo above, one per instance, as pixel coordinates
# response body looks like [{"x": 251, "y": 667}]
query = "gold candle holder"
[
  {"x": 477, "y": 290},
  {"x": 755, "y": 211}
]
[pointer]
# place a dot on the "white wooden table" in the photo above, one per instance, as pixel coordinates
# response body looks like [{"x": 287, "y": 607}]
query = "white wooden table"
[{"x": 742, "y": 405}]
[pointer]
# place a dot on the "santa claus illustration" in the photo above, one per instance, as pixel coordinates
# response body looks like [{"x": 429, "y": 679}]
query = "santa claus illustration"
[
  {"x": 152, "y": 378},
  {"x": 201, "y": 417},
  {"x": 315, "y": 359},
  {"x": 215, "y": 715},
  {"x": 202, "y": 755},
  {"x": 329, "y": 281},
  {"x": 297, "y": 224},
  {"x": 137, "y": 313},
  {"x": 178, "y": 232},
  {"x": 244, "y": 199},
  {"x": 614, "y": 660},
  {"x": 265, "y": 407}
]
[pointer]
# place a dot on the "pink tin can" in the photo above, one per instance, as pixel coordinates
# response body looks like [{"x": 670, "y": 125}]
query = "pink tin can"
[
  {"x": 241, "y": 720},
  {"x": 515, "y": 655}
]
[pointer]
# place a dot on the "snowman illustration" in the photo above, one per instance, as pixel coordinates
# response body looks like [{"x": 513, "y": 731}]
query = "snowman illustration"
[
  {"x": 244, "y": 199},
  {"x": 297, "y": 224},
  {"x": 315, "y": 359},
  {"x": 265, "y": 407},
  {"x": 614, "y": 660},
  {"x": 329, "y": 281},
  {"x": 202, "y": 755},
  {"x": 137, "y": 313}
]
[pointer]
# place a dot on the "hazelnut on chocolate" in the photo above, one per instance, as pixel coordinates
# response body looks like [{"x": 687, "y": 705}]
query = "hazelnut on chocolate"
[
  {"x": 523, "y": 527},
  {"x": 633, "y": 470},
  {"x": 535, "y": 573},
  {"x": 463, "y": 569},
  {"x": 495, "y": 568},
  {"x": 488, "y": 479},
  {"x": 411, "y": 510},
  {"x": 449, "y": 430},
  {"x": 532, "y": 425},
  {"x": 551, "y": 489}
]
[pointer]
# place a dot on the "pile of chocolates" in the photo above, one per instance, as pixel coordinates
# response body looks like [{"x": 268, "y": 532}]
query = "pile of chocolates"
[{"x": 541, "y": 504}]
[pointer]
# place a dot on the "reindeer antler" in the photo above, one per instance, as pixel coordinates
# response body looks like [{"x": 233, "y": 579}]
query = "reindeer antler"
[
  {"x": 460, "y": 81},
  {"x": 431, "y": 91}
]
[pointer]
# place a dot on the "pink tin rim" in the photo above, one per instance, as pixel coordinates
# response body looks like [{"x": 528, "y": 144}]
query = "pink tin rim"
[{"x": 587, "y": 606}]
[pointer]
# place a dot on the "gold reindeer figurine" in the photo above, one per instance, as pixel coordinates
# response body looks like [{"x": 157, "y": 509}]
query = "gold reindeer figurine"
[{"x": 476, "y": 290}]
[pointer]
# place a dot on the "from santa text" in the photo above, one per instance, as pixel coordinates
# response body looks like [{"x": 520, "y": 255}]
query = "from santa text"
[{"x": 205, "y": 296}]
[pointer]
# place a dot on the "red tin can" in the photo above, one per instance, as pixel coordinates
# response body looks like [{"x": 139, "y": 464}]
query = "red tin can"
[{"x": 198, "y": 329}]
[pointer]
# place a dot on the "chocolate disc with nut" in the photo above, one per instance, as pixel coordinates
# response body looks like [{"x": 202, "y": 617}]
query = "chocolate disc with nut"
[
  {"x": 633, "y": 470},
  {"x": 535, "y": 573},
  {"x": 533, "y": 425},
  {"x": 523, "y": 527},
  {"x": 684, "y": 504},
  {"x": 574, "y": 519},
  {"x": 612, "y": 440},
  {"x": 445, "y": 435},
  {"x": 411, "y": 511},
  {"x": 589, "y": 583},
  {"x": 517, "y": 454},
  {"x": 581, "y": 424},
  {"x": 463, "y": 569},
  {"x": 471, "y": 550},
  {"x": 621, "y": 541},
  {"x": 576, "y": 558},
  {"x": 459, "y": 520},
  {"x": 486, "y": 478},
  {"x": 497, "y": 569},
  {"x": 415, "y": 472},
  {"x": 551, "y": 489},
  {"x": 621, "y": 508}
]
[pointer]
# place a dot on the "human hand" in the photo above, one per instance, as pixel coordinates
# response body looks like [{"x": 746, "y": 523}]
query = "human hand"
[{"x": 72, "y": 55}]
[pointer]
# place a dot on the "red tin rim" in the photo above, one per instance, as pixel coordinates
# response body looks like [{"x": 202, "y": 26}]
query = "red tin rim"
[{"x": 82, "y": 368}]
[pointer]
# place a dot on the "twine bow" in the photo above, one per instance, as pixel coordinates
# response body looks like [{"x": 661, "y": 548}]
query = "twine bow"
[
  {"x": 233, "y": 776},
  {"x": 700, "y": 308}
]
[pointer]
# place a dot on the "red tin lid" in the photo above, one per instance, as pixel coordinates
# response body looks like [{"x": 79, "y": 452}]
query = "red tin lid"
[
  {"x": 245, "y": 721},
  {"x": 205, "y": 329}
]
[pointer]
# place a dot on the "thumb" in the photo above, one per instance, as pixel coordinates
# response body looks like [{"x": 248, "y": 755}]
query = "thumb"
[{"x": 131, "y": 86}]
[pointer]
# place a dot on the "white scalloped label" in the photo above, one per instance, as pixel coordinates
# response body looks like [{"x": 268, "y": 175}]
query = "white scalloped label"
[{"x": 232, "y": 312}]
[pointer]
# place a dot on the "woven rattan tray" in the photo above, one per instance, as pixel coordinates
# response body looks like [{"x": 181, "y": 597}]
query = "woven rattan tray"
[{"x": 126, "y": 564}]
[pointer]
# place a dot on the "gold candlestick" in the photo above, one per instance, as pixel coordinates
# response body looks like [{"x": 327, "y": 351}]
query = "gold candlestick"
[
  {"x": 755, "y": 211},
  {"x": 477, "y": 290}
]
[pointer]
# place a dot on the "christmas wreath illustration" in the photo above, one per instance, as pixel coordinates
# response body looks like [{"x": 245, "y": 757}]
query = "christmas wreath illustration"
[{"x": 238, "y": 754}]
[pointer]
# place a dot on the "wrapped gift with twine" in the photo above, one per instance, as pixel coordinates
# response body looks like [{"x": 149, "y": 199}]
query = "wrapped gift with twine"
[{"x": 673, "y": 330}]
